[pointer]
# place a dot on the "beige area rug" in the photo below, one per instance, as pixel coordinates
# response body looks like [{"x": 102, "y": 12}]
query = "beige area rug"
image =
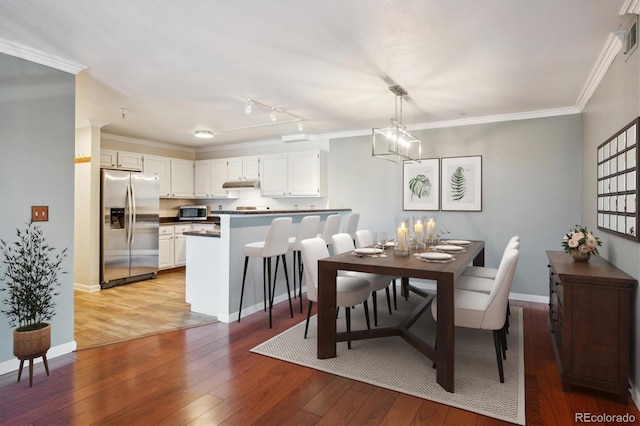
[{"x": 393, "y": 364}]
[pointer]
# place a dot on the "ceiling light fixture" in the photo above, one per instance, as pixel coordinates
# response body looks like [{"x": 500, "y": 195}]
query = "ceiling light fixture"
[
  {"x": 272, "y": 116},
  {"x": 248, "y": 105},
  {"x": 203, "y": 134},
  {"x": 283, "y": 116},
  {"x": 394, "y": 143}
]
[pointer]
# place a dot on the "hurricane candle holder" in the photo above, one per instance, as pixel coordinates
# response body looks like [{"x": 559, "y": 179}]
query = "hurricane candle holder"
[
  {"x": 419, "y": 233},
  {"x": 432, "y": 234},
  {"x": 402, "y": 237}
]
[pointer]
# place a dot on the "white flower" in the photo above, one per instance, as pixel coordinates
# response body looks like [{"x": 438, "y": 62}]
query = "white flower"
[
  {"x": 573, "y": 243},
  {"x": 591, "y": 241}
]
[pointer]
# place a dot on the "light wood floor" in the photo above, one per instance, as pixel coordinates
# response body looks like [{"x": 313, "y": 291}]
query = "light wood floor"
[{"x": 134, "y": 310}]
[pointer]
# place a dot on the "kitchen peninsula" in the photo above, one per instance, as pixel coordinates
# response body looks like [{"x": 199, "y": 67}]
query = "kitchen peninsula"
[{"x": 215, "y": 262}]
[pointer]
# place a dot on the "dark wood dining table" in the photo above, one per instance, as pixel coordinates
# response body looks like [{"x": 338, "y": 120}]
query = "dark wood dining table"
[{"x": 406, "y": 267}]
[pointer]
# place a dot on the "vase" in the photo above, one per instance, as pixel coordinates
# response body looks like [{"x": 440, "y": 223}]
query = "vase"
[{"x": 580, "y": 257}]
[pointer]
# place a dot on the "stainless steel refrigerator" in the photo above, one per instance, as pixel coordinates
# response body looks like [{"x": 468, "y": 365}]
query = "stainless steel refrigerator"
[{"x": 130, "y": 205}]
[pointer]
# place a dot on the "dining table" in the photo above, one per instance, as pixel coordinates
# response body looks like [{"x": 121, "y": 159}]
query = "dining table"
[{"x": 409, "y": 266}]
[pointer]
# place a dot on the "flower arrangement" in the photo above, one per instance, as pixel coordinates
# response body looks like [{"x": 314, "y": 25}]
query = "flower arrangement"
[{"x": 580, "y": 240}]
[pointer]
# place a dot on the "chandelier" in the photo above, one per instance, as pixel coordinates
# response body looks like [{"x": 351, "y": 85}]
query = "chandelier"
[{"x": 394, "y": 143}]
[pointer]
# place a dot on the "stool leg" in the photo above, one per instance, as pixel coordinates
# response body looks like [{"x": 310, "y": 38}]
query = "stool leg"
[
  {"x": 395, "y": 297},
  {"x": 286, "y": 278},
  {"x": 348, "y": 320},
  {"x": 306, "y": 328},
  {"x": 270, "y": 297},
  {"x": 244, "y": 275},
  {"x": 264, "y": 282},
  {"x": 295, "y": 293},
  {"x": 366, "y": 314},
  {"x": 300, "y": 274},
  {"x": 374, "y": 297}
]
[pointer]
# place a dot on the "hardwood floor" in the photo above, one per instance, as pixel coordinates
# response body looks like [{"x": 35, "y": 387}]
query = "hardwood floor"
[
  {"x": 134, "y": 310},
  {"x": 206, "y": 375}
]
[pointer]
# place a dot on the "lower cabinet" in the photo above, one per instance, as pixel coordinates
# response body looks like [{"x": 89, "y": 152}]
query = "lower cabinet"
[
  {"x": 590, "y": 306},
  {"x": 172, "y": 246}
]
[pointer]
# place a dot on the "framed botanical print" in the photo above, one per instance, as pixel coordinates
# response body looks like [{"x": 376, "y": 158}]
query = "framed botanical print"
[
  {"x": 421, "y": 185},
  {"x": 462, "y": 183}
]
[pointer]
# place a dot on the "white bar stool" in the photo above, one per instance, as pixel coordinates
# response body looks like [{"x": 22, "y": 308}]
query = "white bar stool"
[
  {"x": 276, "y": 244},
  {"x": 331, "y": 227},
  {"x": 308, "y": 229}
]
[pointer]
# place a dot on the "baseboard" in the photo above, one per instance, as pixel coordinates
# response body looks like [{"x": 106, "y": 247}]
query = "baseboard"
[
  {"x": 635, "y": 394},
  {"x": 53, "y": 352},
  {"x": 86, "y": 287},
  {"x": 233, "y": 316}
]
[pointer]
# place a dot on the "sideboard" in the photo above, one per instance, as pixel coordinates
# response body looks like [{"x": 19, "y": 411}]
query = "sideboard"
[{"x": 589, "y": 320}]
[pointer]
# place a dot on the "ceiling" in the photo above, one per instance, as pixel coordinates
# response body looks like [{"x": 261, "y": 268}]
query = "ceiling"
[{"x": 175, "y": 67}]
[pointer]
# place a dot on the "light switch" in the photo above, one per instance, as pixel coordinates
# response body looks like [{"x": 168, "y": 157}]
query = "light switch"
[{"x": 40, "y": 213}]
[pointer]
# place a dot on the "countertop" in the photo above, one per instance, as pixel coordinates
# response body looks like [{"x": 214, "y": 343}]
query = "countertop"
[
  {"x": 291, "y": 211},
  {"x": 203, "y": 233}
]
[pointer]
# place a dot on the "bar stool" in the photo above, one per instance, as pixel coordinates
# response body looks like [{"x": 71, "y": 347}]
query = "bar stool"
[
  {"x": 276, "y": 245},
  {"x": 308, "y": 229},
  {"x": 331, "y": 227},
  {"x": 351, "y": 225}
]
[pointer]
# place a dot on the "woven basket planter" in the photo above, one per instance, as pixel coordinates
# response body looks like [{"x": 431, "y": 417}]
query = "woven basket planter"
[{"x": 31, "y": 343}]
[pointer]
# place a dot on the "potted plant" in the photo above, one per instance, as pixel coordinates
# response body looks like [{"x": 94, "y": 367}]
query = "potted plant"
[
  {"x": 580, "y": 243},
  {"x": 31, "y": 268}
]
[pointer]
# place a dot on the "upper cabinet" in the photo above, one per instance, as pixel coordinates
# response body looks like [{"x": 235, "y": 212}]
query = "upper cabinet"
[
  {"x": 296, "y": 174},
  {"x": 161, "y": 167},
  {"x": 243, "y": 168},
  {"x": 209, "y": 177},
  {"x": 182, "y": 181},
  {"x": 120, "y": 160}
]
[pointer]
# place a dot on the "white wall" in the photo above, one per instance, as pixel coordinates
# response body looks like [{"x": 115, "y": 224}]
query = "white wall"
[
  {"x": 531, "y": 187},
  {"x": 614, "y": 104}
]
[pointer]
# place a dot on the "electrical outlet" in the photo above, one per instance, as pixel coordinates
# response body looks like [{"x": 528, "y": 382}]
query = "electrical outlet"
[{"x": 40, "y": 213}]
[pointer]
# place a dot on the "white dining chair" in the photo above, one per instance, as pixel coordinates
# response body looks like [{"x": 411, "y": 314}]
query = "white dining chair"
[
  {"x": 364, "y": 238},
  {"x": 478, "y": 310},
  {"x": 308, "y": 229},
  {"x": 487, "y": 272},
  {"x": 350, "y": 291},
  {"x": 276, "y": 245},
  {"x": 343, "y": 243}
]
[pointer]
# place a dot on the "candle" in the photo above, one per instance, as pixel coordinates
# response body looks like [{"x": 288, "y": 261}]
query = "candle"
[
  {"x": 431, "y": 228},
  {"x": 418, "y": 228}
]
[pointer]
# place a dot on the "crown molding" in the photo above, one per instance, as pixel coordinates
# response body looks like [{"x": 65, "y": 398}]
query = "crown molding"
[
  {"x": 630, "y": 6},
  {"x": 145, "y": 142},
  {"x": 608, "y": 53},
  {"x": 39, "y": 57},
  {"x": 90, "y": 123}
]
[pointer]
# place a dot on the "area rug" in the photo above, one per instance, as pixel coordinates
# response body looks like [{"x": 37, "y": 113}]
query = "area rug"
[{"x": 393, "y": 364}]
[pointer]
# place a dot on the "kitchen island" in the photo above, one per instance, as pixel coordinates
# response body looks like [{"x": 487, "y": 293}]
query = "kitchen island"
[{"x": 215, "y": 262}]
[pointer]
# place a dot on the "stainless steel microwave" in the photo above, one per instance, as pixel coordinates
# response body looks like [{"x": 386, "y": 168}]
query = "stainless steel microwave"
[{"x": 193, "y": 213}]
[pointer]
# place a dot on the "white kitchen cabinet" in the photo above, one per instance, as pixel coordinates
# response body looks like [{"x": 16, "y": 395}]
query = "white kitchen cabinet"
[
  {"x": 307, "y": 173},
  {"x": 203, "y": 179},
  {"x": 273, "y": 175},
  {"x": 182, "y": 181},
  {"x": 180, "y": 244},
  {"x": 161, "y": 167},
  {"x": 165, "y": 247},
  {"x": 219, "y": 175},
  {"x": 120, "y": 160},
  {"x": 243, "y": 168}
]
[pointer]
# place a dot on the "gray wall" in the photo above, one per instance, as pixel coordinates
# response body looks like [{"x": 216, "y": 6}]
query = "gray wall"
[
  {"x": 614, "y": 104},
  {"x": 37, "y": 130},
  {"x": 531, "y": 187}
]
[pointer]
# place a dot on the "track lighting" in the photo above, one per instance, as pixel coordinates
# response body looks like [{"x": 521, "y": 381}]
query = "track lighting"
[
  {"x": 273, "y": 115},
  {"x": 248, "y": 106}
]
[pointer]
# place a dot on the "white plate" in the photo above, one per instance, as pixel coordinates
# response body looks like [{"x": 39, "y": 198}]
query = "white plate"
[
  {"x": 459, "y": 242},
  {"x": 390, "y": 244},
  {"x": 449, "y": 248},
  {"x": 368, "y": 250},
  {"x": 435, "y": 256}
]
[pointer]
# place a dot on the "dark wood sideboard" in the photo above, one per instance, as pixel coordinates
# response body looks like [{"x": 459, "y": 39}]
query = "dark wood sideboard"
[{"x": 589, "y": 318}]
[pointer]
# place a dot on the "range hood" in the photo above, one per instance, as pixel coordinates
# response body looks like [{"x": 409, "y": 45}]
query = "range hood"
[{"x": 240, "y": 184}]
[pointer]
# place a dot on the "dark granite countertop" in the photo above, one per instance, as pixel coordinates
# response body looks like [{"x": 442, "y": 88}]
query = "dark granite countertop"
[
  {"x": 291, "y": 211},
  {"x": 203, "y": 233}
]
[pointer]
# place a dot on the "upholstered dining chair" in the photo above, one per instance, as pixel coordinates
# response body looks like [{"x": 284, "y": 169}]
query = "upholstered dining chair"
[
  {"x": 478, "y": 310},
  {"x": 364, "y": 238},
  {"x": 276, "y": 245},
  {"x": 343, "y": 243},
  {"x": 487, "y": 272},
  {"x": 308, "y": 229},
  {"x": 350, "y": 291}
]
